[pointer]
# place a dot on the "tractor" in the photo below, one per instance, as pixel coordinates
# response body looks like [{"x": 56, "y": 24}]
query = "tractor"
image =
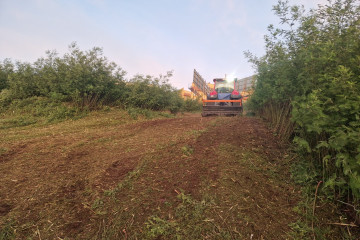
[{"x": 224, "y": 99}]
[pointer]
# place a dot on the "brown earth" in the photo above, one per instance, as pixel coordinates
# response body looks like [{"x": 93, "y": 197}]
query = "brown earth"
[{"x": 105, "y": 176}]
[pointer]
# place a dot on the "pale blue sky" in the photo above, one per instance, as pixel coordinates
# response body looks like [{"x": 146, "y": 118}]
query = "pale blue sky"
[{"x": 144, "y": 36}]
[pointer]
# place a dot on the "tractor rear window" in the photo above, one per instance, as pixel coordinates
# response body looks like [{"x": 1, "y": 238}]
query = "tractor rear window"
[{"x": 224, "y": 86}]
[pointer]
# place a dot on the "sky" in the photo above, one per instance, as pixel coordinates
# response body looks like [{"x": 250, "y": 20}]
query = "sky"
[{"x": 148, "y": 37}]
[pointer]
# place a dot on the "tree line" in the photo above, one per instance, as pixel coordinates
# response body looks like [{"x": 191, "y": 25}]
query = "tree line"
[
  {"x": 308, "y": 86},
  {"x": 86, "y": 80}
]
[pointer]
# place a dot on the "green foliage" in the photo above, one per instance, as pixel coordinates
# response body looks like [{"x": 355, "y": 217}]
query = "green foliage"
[
  {"x": 188, "y": 222},
  {"x": 300, "y": 230},
  {"x": 304, "y": 173},
  {"x": 136, "y": 112},
  {"x": 17, "y": 122},
  {"x": 7, "y": 232},
  {"x": 158, "y": 227},
  {"x": 192, "y": 105},
  {"x": 313, "y": 63},
  {"x": 153, "y": 93},
  {"x": 85, "y": 78},
  {"x": 67, "y": 85},
  {"x": 23, "y": 112},
  {"x": 187, "y": 150},
  {"x": 6, "y": 68}
]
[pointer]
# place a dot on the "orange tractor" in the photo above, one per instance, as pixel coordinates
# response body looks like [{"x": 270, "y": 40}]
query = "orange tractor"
[{"x": 223, "y": 99}]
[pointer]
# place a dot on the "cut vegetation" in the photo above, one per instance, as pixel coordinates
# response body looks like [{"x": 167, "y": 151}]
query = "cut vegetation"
[{"x": 107, "y": 176}]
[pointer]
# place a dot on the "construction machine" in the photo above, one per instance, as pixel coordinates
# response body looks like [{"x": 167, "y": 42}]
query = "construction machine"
[{"x": 224, "y": 99}]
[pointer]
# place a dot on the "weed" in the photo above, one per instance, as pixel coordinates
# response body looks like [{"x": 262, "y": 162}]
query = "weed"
[
  {"x": 197, "y": 133},
  {"x": 192, "y": 105},
  {"x": 106, "y": 109},
  {"x": 300, "y": 230},
  {"x": 148, "y": 114},
  {"x": 98, "y": 203},
  {"x": 7, "y": 231},
  {"x": 189, "y": 222},
  {"x": 111, "y": 192},
  {"x": 165, "y": 114},
  {"x": 303, "y": 173},
  {"x": 3, "y": 151},
  {"x": 38, "y": 110},
  {"x": 128, "y": 181},
  {"x": 157, "y": 227},
  {"x": 17, "y": 122},
  {"x": 187, "y": 151}
]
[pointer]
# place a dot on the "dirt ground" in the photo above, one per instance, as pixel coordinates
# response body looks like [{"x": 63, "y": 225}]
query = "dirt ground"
[{"x": 109, "y": 177}]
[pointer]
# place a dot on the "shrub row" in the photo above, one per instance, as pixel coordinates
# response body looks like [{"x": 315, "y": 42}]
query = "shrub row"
[
  {"x": 311, "y": 74},
  {"x": 86, "y": 80}
]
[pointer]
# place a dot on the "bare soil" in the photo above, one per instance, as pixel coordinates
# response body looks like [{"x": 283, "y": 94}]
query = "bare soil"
[{"x": 105, "y": 176}]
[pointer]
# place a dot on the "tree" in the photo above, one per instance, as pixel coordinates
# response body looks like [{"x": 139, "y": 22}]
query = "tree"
[{"x": 313, "y": 63}]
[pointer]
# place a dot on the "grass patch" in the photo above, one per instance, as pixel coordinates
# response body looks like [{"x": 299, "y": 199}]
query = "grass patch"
[
  {"x": 79, "y": 141},
  {"x": 20, "y": 121},
  {"x": 326, "y": 211},
  {"x": 3, "y": 150},
  {"x": 7, "y": 231},
  {"x": 127, "y": 183},
  {"x": 38, "y": 110},
  {"x": 226, "y": 192},
  {"x": 225, "y": 209},
  {"x": 187, "y": 151},
  {"x": 136, "y": 113},
  {"x": 190, "y": 221},
  {"x": 197, "y": 133}
]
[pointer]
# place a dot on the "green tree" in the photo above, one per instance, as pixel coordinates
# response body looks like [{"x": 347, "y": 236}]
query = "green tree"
[
  {"x": 153, "y": 93},
  {"x": 85, "y": 78},
  {"x": 312, "y": 64},
  {"x": 6, "y": 68}
]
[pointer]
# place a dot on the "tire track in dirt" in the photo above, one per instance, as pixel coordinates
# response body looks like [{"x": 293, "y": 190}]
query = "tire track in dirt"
[
  {"x": 49, "y": 182},
  {"x": 266, "y": 200},
  {"x": 259, "y": 188}
]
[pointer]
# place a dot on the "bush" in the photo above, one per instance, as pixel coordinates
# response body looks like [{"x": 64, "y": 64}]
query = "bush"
[
  {"x": 85, "y": 78},
  {"x": 192, "y": 105},
  {"x": 152, "y": 93},
  {"x": 23, "y": 112},
  {"x": 56, "y": 88},
  {"x": 311, "y": 65}
]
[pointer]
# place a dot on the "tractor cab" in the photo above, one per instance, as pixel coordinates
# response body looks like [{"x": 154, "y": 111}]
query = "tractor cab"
[
  {"x": 223, "y": 85},
  {"x": 224, "y": 99},
  {"x": 224, "y": 89}
]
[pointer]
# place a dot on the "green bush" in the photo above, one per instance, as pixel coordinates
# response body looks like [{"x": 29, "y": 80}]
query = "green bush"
[
  {"x": 312, "y": 65},
  {"x": 152, "y": 93},
  {"x": 56, "y": 88},
  {"x": 192, "y": 105},
  {"x": 85, "y": 78},
  {"x": 23, "y": 112}
]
